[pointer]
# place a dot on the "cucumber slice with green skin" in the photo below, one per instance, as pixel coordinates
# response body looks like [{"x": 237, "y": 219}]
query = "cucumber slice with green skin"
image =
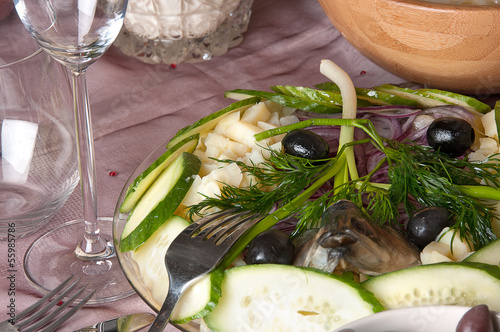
[
  {"x": 160, "y": 201},
  {"x": 289, "y": 101},
  {"x": 471, "y": 104},
  {"x": 466, "y": 284},
  {"x": 150, "y": 258},
  {"x": 210, "y": 121},
  {"x": 237, "y": 95},
  {"x": 489, "y": 254},
  {"x": 269, "y": 297},
  {"x": 423, "y": 99},
  {"x": 146, "y": 178},
  {"x": 373, "y": 96},
  {"x": 320, "y": 96},
  {"x": 198, "y": 300}
]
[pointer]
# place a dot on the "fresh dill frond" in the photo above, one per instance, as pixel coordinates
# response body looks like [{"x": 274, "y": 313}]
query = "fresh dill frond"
[
  {"x": 373, "y": 201},
  {"x": 460, "y": 171},
  {"x": 419, "y": 174}
]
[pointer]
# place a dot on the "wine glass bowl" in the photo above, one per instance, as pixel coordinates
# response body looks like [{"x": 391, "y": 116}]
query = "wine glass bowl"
[
  {"x": 76, "y": 38},
  {"x": 38, "y": 169}
]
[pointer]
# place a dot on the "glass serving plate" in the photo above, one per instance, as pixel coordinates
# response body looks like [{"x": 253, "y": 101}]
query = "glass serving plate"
[{"x": 127, "y": 264}]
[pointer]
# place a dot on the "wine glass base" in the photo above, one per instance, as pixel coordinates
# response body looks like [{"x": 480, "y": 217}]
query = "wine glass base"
[{"x": 51, "y": 259}]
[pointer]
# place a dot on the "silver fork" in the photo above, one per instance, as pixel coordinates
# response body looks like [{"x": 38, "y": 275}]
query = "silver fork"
[
  {"x": 197, "y": 251},
  {"x": 39, "y": 317}
]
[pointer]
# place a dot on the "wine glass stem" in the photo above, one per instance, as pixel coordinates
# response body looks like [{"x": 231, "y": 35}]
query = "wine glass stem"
[{"x": 92, "y": 245}]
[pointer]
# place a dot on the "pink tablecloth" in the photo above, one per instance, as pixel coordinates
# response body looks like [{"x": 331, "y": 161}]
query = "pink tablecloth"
[{"x": 136, "y": 106}]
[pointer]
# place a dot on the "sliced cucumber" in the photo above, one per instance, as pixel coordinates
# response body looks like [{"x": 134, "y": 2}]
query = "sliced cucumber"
[
  {"x": 466, "y": 284},
  {"x": 282, "y": 298},
  {"x": 210, "y": 121},
  {"x": 471, "y": 104},
  {"x": 373, "y": 96},
  {"x": 160, "y": 201},
  {"x": 237, "y": 95},
  {"x": 150, "y": 259},
  {"x": 423, "y": 99},
  {"x": 146, "y": 178},
  {"x": 200, "y": 299},
  {"x": 489, "y": 254}
]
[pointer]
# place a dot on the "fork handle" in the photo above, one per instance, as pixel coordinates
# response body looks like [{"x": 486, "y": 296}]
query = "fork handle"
[{"x": 163, "y": 317}]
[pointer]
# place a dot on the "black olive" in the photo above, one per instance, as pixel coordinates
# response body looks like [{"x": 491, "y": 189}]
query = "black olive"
[
  {"x": 451, "y": 136},
  {"x": 305, "y": 144},
  {"x": 270, "y": 247},
  {"x": 426, "y": 224},
  {"x": 476, "y": 319}
]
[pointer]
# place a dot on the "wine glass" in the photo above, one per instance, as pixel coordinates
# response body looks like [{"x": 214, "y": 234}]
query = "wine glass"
[{"x": 76, "y": 33}]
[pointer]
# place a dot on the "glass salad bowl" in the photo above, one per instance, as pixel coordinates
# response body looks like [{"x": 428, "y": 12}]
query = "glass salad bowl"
[
  {"x": 128, "y": 264},
  {"x": 153, "y": 285}
]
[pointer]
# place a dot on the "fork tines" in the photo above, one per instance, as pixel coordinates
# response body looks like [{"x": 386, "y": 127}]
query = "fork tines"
[
  {"x": 39, "y": 315},
  {"x": 222, "y": 225}
]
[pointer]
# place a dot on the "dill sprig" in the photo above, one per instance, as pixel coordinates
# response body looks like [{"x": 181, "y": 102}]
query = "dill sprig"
[
  {"x": 374, "y": 201},
  {"x": 419, "y": 174},
  {"x": 460, "y": 171}
]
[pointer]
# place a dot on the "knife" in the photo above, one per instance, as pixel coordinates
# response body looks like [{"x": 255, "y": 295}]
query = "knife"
[{"x": 127, "y": 323}]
